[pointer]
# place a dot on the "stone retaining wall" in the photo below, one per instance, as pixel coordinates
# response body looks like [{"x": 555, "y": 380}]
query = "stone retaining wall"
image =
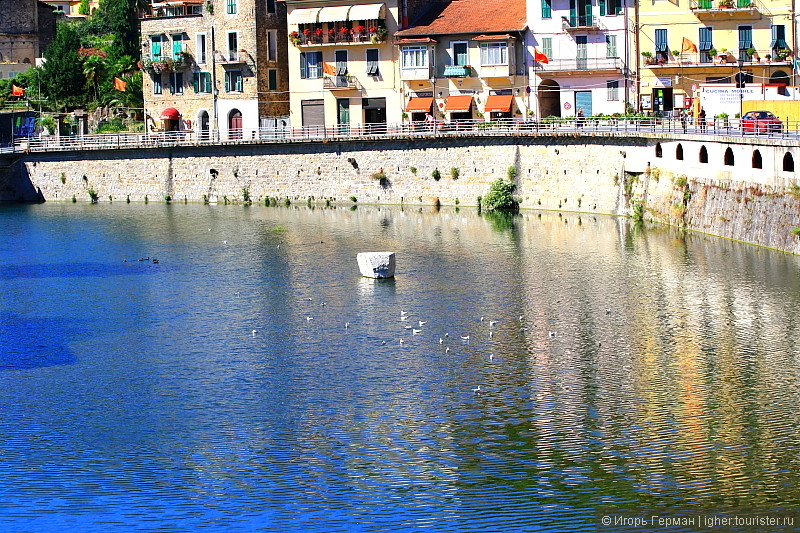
[{"x": 595, "y": 174}]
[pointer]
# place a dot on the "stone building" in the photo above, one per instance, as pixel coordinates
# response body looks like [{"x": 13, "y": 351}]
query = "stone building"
[
  {"x": 26, "y": 28},
  {"x": 215, "y": 66}
]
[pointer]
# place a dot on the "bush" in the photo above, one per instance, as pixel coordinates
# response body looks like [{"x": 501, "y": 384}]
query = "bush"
[
  {"x": 501, "y": 196},
  {"x": 436, "y": 174}
]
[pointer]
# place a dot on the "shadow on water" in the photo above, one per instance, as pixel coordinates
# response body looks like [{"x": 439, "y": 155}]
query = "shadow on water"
[
  {"x": 73, "y": 270},
  {"x": 35, "y": 342}
]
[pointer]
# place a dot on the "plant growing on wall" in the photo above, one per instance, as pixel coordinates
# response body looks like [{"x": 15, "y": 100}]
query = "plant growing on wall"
[{"x": 501, "y": 196}]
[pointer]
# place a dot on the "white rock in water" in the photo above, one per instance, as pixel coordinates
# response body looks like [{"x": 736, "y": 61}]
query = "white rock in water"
[{"x": 376, "y": 264}]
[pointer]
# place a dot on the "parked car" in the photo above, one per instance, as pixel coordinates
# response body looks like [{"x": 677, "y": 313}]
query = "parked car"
[{"x": 761, "y": 122}]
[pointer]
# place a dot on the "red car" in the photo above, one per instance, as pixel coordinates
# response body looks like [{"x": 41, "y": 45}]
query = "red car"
[{"x": 761, "y": 122}]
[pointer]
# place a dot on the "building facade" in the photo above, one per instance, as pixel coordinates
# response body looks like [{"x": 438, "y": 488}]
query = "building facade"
[
  {"x": 687, "y": 44},
  {"x": 215, "y": 66},
  {"x": 465, "y": 60},
  {"x": 26, "y": 28},
  {"x": 584, "y": 52}
]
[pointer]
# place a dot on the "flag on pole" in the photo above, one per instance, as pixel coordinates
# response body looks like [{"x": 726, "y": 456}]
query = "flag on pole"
[
  {"x": 17, "y": 91},
  {"x": 329, "y": 69},
  {"x": 688, "y": 46},
  {"x": 119, "y": 84},
  {"x": 540, "y": 57}
]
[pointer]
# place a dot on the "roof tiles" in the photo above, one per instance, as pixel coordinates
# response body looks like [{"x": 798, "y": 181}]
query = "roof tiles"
[{"x": 470, "y": 16}]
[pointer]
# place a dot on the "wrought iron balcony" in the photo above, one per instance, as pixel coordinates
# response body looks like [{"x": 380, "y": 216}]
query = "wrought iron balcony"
[
  {"x": 581, "y": 22},
  {"x": 340, "y": 83},
  {"x": 581, "y": 64},
  {"x": 726, "y": 8}
]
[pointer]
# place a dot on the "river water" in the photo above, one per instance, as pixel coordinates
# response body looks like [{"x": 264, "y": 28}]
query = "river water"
[{"x": 252, "y": 380}]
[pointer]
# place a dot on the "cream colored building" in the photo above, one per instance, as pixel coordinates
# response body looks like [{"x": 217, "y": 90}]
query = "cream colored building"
[
  {"x": 687, "y": 43},
  {"x": 341, "y": 63},
  {"x": 215, "y": 67}
]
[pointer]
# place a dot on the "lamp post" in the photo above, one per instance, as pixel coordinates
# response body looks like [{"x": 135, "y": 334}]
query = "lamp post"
[{"x": 740, "y": 82}]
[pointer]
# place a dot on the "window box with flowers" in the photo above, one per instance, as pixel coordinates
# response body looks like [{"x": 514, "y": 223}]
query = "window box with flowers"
[
  {"x": 377, "y": 34},
  {"x": 295, "y": 38},
  {"x": 343, "y": 35},
  {"x": 359, "y": 34}
]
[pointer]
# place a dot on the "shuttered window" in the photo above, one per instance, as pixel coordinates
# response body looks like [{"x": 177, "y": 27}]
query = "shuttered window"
[
  {"x": 155, "y": 48},
  {"x": 341, "y": 62},
  {"x": 705, "y": 39},
  {"x": 234, "y": 81},
  {"x": 372, "y": 61},
  {"x": 661, "y": 40},
  {"x": 778, "y": 37},
  {"x": 201, "y": 82},
  {"x": 310, "y": 65},
  {"x": 547, "y": 47},
  {"x": 611, "y": 46},
  {"x": 547, "y": 9}
]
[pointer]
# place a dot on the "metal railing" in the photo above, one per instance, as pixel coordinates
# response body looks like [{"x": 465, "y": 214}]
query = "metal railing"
[
  {"x": 607, "y": 126},
  {"x": 583, "y": 63}
]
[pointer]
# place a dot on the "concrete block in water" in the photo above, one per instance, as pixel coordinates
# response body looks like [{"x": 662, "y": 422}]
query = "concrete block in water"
[{"x": 376, "y": 264}]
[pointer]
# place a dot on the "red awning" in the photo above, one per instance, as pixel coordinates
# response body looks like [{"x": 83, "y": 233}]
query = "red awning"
[
  {"x": 418, "y": 104},
  {"x": 499, "y": 103},
  {"x": 459, "y": 104},
  {"x": 170, "y": 113}
]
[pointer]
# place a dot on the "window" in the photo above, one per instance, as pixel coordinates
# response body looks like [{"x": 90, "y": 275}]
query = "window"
[
  {"x": 613, "y": 90},
  {"x": 372, "y": 62},
  {"x": 745, "y": 42},
  {"x": 202, "y": 39},
  {"x": 547, "y": 9},
  {"x": 176, "y": 83},
  {"x": 610, "y": 7},
  {"x": 460, "y": 53},
  {"x": 270, "y": 6},
  {"x": 788, "y": 162},
  {"x": 231, "y": 10},
  {"x": 494, "y": 53},
  {"x": 729, "y": 157},
  {"x": 157, "y": 88},
  {"x": 341, "y": 62},
  {"x": 310, "y": 65},
  {"x": 272, "y": 45},
  {"x": 778, "y": 38},
  {"x": 611, "y": 46},
  {"x": 662, "y": 45},
  {"x": 233, "y": 81},
  {"x": 272, "y": 79},
  {"x": 414, "y": 57},
  {"x": 233, "y": 46},
  {"x": 155, "y": 47},
  {"x": 547, "y": 47},
  {"x": 201, "y": 81},
  {"x": 705, "y": 45},
  {"x": 177, "y": 45}
]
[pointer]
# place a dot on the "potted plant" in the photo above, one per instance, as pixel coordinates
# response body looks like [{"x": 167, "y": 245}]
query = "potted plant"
[
  {"x": 782, "y": 54},
  {"x": 379, "y": 35},
  {"x": 725, "y": 4},
  {"x": 768, "y": 57},
  {"x": 648, "y": 58},
  {"x": 295, "y": 38}
]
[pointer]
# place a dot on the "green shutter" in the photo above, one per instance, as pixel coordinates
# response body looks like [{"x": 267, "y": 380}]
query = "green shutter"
[
  {"x": 273, "y": 80},
  {"x": 602, "y": 4},
  {"x": 177, "y": 46},
  {"x": 239, "y": 82},
  {"x": 547, "y": 9},
  {"x": 303, "y": 66},
  {"x": 196, "y": 82},
  {"x": 207, "y": 76}
]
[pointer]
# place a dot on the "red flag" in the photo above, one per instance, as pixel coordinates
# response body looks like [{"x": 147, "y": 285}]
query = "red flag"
[
  {"x": 17, "y": 91},
  {"x": 328, "y": 69},
  {"x": 539, "y": 57},
  {"x": 119, "y": 84}
]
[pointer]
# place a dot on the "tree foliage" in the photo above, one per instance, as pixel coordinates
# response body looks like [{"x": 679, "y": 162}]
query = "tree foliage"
[
  {"x": 62, "y": 77},
  {"x": 501, "y": 196},
  {"x": 122, "y": 19}
]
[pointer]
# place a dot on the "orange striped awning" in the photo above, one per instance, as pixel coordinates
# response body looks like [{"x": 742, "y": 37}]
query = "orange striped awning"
[
  {"x": 499, "y": 103},
  {"x": 418, "y": 104},
  {"x": 459, "y": 104}
]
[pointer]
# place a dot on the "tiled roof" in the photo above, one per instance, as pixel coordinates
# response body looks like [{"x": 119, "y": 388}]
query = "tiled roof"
[{"x": 469, "y": 16}]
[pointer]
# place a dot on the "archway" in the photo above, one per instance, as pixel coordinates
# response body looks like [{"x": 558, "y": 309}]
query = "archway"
[
  {"x": 788, "y": 162},
  {"x": 729, "y": 161},
  {"x": 779, "y": 77},
  {"x": 703, "y": 154},
  {"x": 235, "y": 124},
  {"x": 757, "y": 163},
  {"x": 549, "y": 99},
  {"x": 679, "y": 152},
  {"x": 203, "y": 124},
  {"x": 659, "y": 150}
]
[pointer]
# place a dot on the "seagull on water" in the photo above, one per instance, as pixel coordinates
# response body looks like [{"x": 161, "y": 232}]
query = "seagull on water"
[
  {"x": 402, "y": 341},
  {"x": 421, "y": 323},
  {"x": 441, "y": 340},
  {"x": 477, "y": 389},
  {"x": 309, "y": 318},
  {"x": 447, "y": 350},
  {"x": 408, "y": 327},
  {"x": 346, "y": 325},
  {"x": 552, "y": 334},
  {"x": 403, "y": 313},
  {"x": 491, "y": 334},
  {"x": 416, "y": 331},
  {"x": 403, "y": 318},
  {"x": 383, "y": 343},
  {"x": 492, "y": 323},
  {"x": 491, "y": 357},
  {"x": 465, "y": 338},
  {"x": 254, "y": 332},
  {"x": 236, "y": 293}
]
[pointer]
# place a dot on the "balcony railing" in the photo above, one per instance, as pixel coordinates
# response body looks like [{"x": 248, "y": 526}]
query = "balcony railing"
[
  {"x": 728, "y": 8},
  {"x": 174, "y": 9},
  {"x": 413, "y": 74},
  {"x": 581, "y": 22},
  {"x": 730, "y": 58},
  {"x": 315, "y": 39},
  {"x": 580, "y": 64},
  {"x": 232, "y": 57},
  {"x": 333, "y": 83}
]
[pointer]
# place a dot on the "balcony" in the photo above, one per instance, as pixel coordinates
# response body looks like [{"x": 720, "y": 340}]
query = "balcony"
[
  {"x": 187, "y": 8},
  {"x": 734, "y": 9},
  {"x": 320, "y": 36},
  {"x": 165, "y": 63},
  {"x": 416, "y": 74},
  {"x": 457, "y": 71},
  {"x": 341, "y": 83},
  {"x": 495, "y": 71},
  {"x": 765, "y": 57},
  {"x": 232, "y": 57},
  {"x": 582, "y": 64},
  {"x": 581, "y": 23}
]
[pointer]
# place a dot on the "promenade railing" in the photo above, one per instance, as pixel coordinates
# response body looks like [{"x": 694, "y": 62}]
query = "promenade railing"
[{"x": 507, "y": 127}]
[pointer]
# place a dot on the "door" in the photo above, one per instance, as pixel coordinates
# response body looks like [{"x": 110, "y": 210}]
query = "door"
[
  {"x": 343, "y": 106},
  {"x": 313, "y": 113},
  {"x": 204, "y": 125},
  {"x": 235, "y": 125},
  {"x": 581, "y": 57},
  {"x": 375, "y": 114},
  {"x": 583, "y": 100}
]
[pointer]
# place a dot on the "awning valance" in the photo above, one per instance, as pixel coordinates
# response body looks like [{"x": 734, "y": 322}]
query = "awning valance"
[
  {"x": 419, "y": 104},
  {"x": 170, "y": 113},
  {"x": 368, "y": 12},
  {"x": 498, "y": 103},
  {"x": 304, "y": 16},
  {"x": 459, "y": 104},
  {"x": 456, "y": 71},
  {"x": 333, "y": 14}
]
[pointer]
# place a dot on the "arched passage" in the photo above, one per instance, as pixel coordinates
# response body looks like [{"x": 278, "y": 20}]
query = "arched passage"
[
  {"x": 757, "y": 162},
  {"x": 779, "y": 77},
  {"x": 659, "y": 150},
  {"x": 703, "y": 154},
  {"x": 235, "y": 124},
  {"x": 679, "y": 152},
  {"x": 203, "y": 124},
  {"x": 729, "y": 161},
  {"x": 549, "y": 99},
  {"x": 788, "y": 162}
]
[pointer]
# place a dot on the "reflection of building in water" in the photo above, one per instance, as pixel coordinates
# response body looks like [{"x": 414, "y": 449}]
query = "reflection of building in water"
[{"x": 26, "y": 28}]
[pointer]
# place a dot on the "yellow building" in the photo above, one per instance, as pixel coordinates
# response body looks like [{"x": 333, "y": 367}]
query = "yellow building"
[{"x": 686, "y": 43}]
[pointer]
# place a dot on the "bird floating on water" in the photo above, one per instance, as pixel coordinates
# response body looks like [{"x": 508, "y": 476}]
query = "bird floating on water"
[
  {"x": 441, "y": 340},
  {"x": 492, "y": 323},
  {"x": 477, "y": 389},
  {"x": 552, "y": 334},
  {"x": 491, "y": 334},
  {"x": 447, "y": 350},
  {"x": 465, "y": 338},
  {"x": 421, "y": 323},
  {"x": 491, "y": 357},
  {"x": 403, "y": 318},
  {"x": 416, "y": 331},
  {"x": 346, "y": 325},
  {"x": 309, "y": 318},
  {"x": 403, "y": 313},
  {"x": 254, "y": 332}
]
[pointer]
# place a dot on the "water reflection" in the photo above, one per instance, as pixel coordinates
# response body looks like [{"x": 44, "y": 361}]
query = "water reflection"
[{"x": 629, "y": 368}]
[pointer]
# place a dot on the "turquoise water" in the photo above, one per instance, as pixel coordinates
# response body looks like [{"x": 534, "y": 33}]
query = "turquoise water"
[{"x": 631, "y": 369}]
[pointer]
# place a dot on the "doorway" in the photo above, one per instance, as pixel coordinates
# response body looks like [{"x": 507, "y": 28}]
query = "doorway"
[
  {"x": 203, "y": 121},
  {"x": 583, "y": 100},
  {"x": 235, "y": 124},
  {"x": 343, "y": 112},
  {"x": 662, "y": 100}
]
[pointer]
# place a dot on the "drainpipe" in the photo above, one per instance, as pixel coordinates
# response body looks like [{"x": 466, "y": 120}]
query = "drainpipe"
[
  {"x": 626, "y": 71},
  {"x": 214, "y": 90},
  {"x": 636, "y": 57},
  {"x": 794, "y": 40}
]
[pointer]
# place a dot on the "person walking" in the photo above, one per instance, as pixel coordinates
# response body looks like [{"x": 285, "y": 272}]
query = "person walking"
[
  {"x": 580, "y": 118},
  {"x": 701, "y": 120},
  {"x": 684, "y": 119}
]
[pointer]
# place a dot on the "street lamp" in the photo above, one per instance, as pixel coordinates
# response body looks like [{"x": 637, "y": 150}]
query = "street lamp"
[{"x": 740, "y": 82}]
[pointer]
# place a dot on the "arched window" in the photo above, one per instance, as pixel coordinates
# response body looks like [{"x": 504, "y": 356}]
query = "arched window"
[
  {"x": 788, "y": 162},
  {"x": 757, "y": 159},
  {"x": 679, "y": 152},
  {"x": 659, "y": 151},
  {"x": 728, "y": 157},
  {"x": 703, "y": 154}
]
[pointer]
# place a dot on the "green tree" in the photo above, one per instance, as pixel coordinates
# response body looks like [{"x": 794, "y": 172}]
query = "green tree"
[
  {"x": 501, "y": 196},
  {"x": 122, "y": 18},
  {"x": 94, "y": 66},
  {"x": 83, "y": 8},
  {"x": 62, "y": 78}
]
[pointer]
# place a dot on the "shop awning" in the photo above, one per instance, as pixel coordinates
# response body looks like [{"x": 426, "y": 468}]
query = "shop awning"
[
  {"x": 499, "y": 103},
  {"x": 456, "y": 71},
  {"x": 170, "y": 113},
  {"x": 304, "y": 16},
  {"x": 368, "y": 12},
  {"x": 333, "y": 14},
  {"x": 418, "y": 104},
  {"x": 458, "y": 104}
]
